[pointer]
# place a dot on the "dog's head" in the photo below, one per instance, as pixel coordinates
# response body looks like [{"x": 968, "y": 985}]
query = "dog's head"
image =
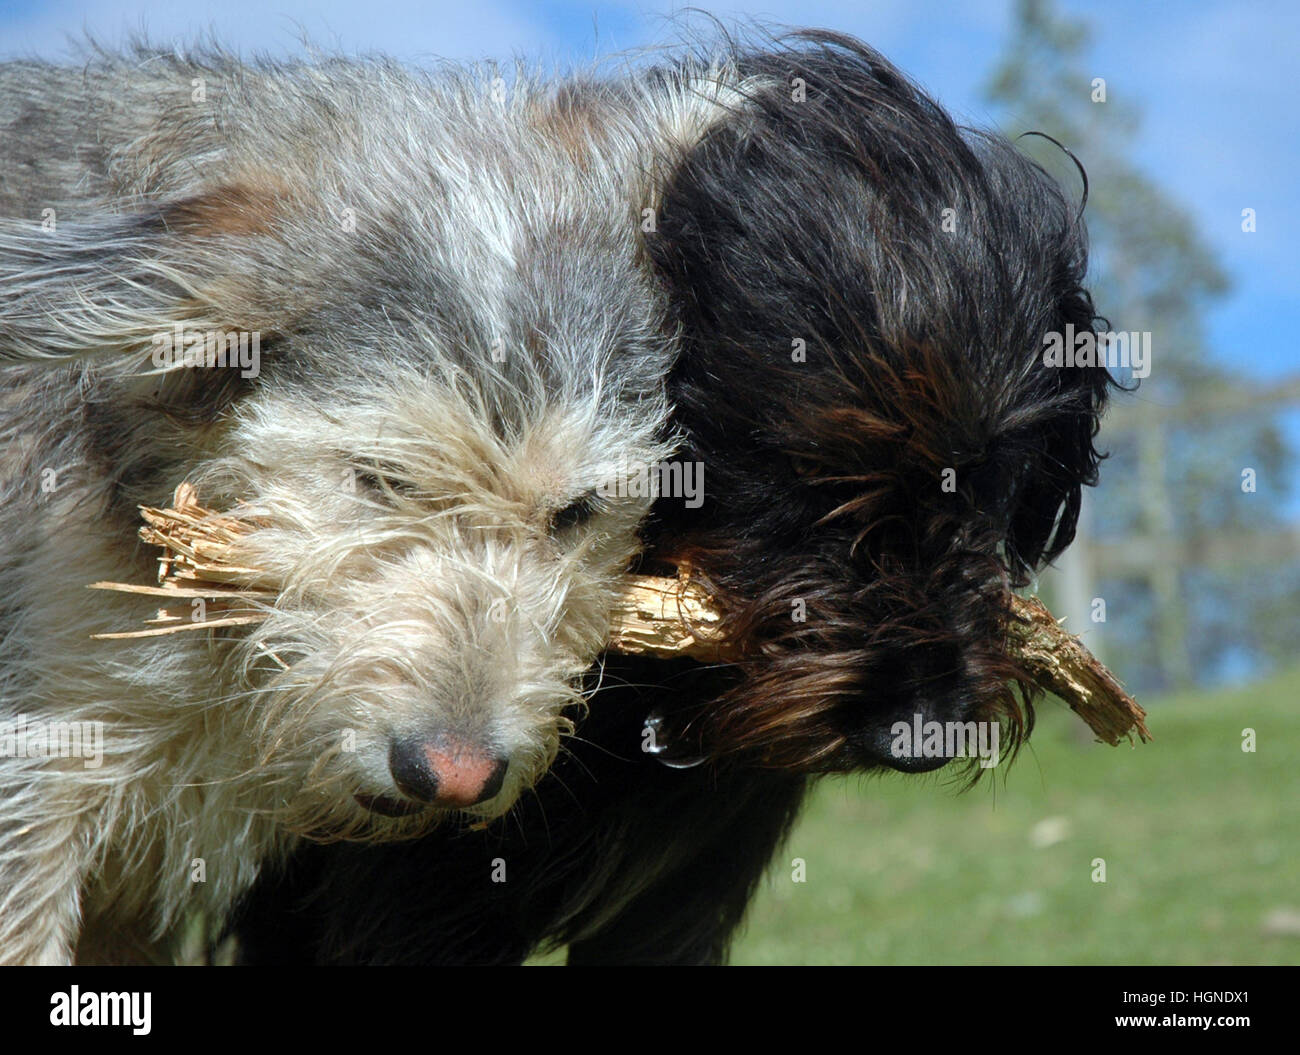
[
  {"x": 459, "y": 345},
  {"x": 864, "y": 291}
]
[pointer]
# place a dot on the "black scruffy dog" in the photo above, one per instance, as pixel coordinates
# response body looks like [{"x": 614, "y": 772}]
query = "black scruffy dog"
[{"x": 864, "y": 290}]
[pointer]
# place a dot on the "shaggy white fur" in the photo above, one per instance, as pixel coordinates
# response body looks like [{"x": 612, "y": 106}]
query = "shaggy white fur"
[{"x": 460, "y": 344}]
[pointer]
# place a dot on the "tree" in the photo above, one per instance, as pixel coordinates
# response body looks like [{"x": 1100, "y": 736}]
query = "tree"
[{"x": 1173, "y": 485}]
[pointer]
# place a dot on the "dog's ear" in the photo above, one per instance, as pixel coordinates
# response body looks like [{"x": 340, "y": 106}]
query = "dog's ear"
[
  {"x": 110, "y": 284},
  {"x": 1066, "y": 461}
]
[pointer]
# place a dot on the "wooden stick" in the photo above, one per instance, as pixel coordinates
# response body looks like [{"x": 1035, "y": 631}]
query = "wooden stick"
[
  {"x": 656, "y": 616},
  {"x": 1060, "y": 663}
]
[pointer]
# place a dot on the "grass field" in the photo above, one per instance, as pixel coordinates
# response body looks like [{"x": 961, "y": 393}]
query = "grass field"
[{"x": 1201, "y": 843}]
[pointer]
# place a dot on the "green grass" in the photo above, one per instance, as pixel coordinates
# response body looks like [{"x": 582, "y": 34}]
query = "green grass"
[{"x": 1201, "y": 843}]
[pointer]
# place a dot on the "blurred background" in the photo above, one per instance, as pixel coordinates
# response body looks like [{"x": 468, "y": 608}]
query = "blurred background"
[{"x": 1185, "y": 577}]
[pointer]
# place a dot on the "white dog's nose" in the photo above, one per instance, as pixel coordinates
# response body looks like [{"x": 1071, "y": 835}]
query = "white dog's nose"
[{"x": 445, "y": 772}]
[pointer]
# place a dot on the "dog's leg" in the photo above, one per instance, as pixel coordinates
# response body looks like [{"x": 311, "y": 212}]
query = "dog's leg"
[
  {"x": 690, "y": 915},
  {"x": 43, "y": 861}
]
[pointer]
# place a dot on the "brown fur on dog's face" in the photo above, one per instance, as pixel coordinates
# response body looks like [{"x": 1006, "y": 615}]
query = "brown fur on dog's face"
[{"x": 864, "y": 291}]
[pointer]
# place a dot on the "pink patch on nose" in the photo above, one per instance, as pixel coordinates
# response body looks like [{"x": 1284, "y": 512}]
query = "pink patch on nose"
[{"x": 465, "y": 777}]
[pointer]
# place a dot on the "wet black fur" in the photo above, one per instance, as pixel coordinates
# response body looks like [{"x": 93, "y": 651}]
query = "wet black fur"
[{"x": 817, "y": 220}]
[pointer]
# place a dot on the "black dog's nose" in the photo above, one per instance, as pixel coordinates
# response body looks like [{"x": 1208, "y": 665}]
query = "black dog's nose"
[
  {"x": 445, "y": 772},
  {"x": 910, "y": 761},
  {"x": 921, "y": 734}
]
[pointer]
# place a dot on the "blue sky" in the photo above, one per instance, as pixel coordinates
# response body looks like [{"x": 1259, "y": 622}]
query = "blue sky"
[{"x": 1217, "y": 82}]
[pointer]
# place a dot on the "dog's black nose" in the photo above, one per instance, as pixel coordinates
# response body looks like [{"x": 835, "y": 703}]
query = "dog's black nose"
[
  {"x": 445, "y": 772},
  {"x": 908, "y": 762},
  {"x": 924, "y": 733}
]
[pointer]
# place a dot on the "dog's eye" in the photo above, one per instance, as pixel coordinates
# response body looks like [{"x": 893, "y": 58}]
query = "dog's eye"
[{"x": 579, "y": 511}]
